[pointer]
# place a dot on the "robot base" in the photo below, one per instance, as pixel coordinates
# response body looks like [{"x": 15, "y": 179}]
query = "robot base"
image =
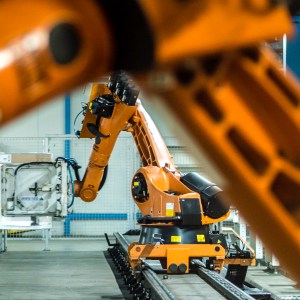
[{"x": 170, "y": 234}]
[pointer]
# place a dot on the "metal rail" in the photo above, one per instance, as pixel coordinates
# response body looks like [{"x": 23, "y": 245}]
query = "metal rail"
[
  {"x": 150, "y": 280},
  {"x": 159, "y": 290},
  {"x": 199, "y": 283},
  {"x": 122, "y": 241},
  {"x": 225, "y": 287}
]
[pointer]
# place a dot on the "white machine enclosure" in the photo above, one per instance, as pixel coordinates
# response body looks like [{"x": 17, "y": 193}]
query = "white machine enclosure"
[{"x": 33, "y": 192}]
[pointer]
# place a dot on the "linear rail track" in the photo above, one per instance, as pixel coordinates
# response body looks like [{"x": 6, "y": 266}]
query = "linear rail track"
[
  {"x": 148, "y": 284},
  {"x": 150, "y": 287},
  {"x": 221, "y": 284}
]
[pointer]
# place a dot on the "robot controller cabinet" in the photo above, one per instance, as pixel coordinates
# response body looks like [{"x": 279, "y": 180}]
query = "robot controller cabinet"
[{"x": 34, "y": 188}]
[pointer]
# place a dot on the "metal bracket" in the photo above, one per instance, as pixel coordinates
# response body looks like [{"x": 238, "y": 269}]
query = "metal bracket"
[{"x": 108, "y": 241}]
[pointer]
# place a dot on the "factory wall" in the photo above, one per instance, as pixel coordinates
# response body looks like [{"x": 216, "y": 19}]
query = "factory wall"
[
  {"x": 50, "y": 118},
  {"x": 47, "y": 119}
]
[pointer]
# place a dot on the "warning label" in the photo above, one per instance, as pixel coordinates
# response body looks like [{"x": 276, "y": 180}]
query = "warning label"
[
  {"x": 200, "y": 238},
  {"x": 169, "y": 209},
  {"x": 175, "y": 239}
]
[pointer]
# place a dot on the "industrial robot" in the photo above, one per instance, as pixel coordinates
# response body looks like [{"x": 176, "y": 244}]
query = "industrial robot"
[{"x": 177, "y": 210}]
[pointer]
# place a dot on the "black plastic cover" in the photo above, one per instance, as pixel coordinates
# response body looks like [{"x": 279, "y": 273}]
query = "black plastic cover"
[
  {"x": 219, "y": 239},
  {"x": 212, "y": 205},
  {"x": 103, "y": 106},
  {"x": 188, "y": 234},
  {"x": 190, "y": 212},
  {"x": 139, "y": 188}
]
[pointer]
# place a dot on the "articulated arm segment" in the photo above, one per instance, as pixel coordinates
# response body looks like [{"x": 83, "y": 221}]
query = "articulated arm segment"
[
  {"x": 47, "y": 48},
  {"x": 245, "y": 114},
  {"x": 185, "y": 28},
  {"x": 50, "y": 46},
  {"x": 89, "y": 117},
  {"x": 158, "y": 188},
  {"x": 152, "y": 148},
  {"x": 109, "y": 122}
]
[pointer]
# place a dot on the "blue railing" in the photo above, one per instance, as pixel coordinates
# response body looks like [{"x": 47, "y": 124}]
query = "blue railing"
[{"x": 90, "y": 216}]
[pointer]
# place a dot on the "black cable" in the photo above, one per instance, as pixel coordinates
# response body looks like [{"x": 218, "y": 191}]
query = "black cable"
[
  {"x": 103, "y": 180},
  {"x": 77, "y": 132},
  {"x": 70, "y": 162},
  {"x": 36, "y": 163}
]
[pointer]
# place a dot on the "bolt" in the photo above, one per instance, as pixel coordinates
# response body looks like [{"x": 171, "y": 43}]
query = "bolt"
[
  {"x": 173, "y": 268},
  {"x": 182, "y": 268}
]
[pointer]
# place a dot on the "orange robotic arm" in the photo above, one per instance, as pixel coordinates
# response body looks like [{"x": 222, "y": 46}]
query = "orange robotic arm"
[
  {"x": 50, "y": 46},
  {"x": 160, "y": 191},
  {"x": 176, "y": 208},
  {"x": 105, "y": 117},
  {"x": 158, "y": 188}
]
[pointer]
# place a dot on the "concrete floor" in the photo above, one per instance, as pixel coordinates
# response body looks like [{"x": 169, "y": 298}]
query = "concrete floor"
[
  {"x": 58, "y": 245},
  {"x": 71, "y": 270},
  {"x": 78, "y": 269},
  {"x": 280, "y": 286}
]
